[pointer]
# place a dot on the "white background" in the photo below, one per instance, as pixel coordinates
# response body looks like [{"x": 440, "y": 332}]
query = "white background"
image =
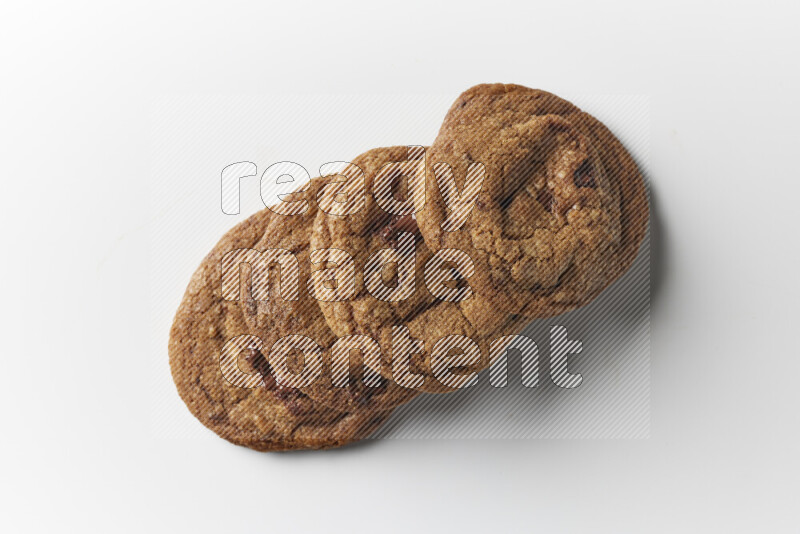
[{"x": 77, "y": 446}]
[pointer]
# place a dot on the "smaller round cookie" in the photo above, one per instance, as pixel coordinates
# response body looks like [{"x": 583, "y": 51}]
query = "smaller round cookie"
[
  {"x": 266, "y": 418},
  {"x": 294, "y": 330},
  {"x": 558, "y": 207}
]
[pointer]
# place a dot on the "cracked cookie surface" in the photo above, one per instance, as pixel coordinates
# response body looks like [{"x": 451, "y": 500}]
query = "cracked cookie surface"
[
  {"x": 264, "y": 418},
  {"x": 275, "y": 317},
  {"x": 562, "y": 208},
  {"x": 378, "y": 303}
]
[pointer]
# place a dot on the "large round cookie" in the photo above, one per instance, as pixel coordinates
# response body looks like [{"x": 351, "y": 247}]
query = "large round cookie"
[
  {"x": 562, "y": 209},
  {"x": 276, "y": 317},
  {"x": 262, "y": 418},
  {"x": 376, "y": 308}
]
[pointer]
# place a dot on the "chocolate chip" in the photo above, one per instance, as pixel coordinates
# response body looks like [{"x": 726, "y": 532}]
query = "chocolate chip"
[
  {"x": 219, "y": 417},
  {"x": 268, "y": 381},
  {"x": 480, "y": 205},
  {"x": 257, "y": 361},
  {"x": 386, "y": 233},
  {"x": 398, "y": 223},
  {"x": 291, "y": 399},
  {"x": 362, "y": 393},
  {"x": 406, "y": 223},
  {"x": 584, "y": 175}
]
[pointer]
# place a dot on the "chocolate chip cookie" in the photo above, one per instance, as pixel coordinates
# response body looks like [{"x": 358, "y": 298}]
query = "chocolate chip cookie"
[
  {"x": 314, "y": 344},
  {"x": 393, "y": 294},
  {"x": 555, "y": 207},
  {"x": 263, "y": 417}
]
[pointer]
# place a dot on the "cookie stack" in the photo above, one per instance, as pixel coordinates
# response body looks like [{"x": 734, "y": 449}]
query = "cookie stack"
[{"x": 531, "y": 208}]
